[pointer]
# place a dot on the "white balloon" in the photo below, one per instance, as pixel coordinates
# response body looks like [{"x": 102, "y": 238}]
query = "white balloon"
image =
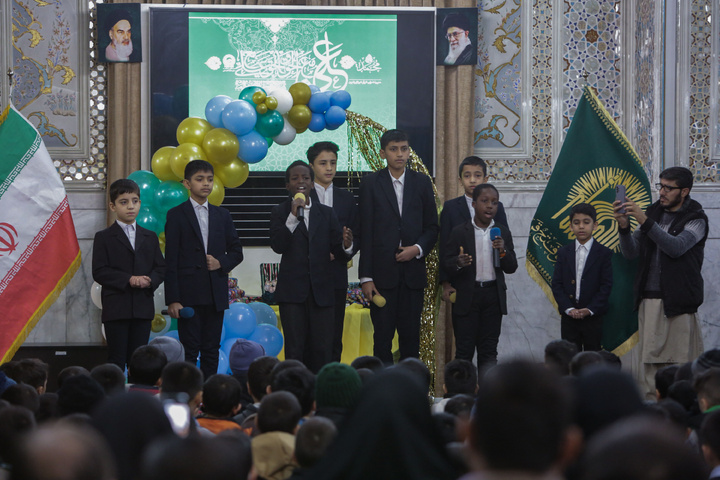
[
  {"x": 285, "y": 102},
  {"x": 96, "y": 294},
  {"x": 287, "y": 135},
  {"x": 159, "y": 298}
]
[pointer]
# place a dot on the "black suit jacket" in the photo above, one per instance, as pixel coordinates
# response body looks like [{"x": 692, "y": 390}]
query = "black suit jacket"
[
  {"x": 597, "y": 279},
  {"x": 463, "y": 279},
  {"x": 346, "y": 211},
  {"x": 188, "y": 279},
  {"x": 383, "y": 230},
  {"x": 454, "y": 213},
  {"x": 114, "y": 261},
  {"x": 306, "y": 254}
]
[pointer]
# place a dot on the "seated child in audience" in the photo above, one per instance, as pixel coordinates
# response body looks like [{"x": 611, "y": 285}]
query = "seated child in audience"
[
  {"x": 299, "y": 381},
  {"x": 242, "y": 354},
  {"x": 311, "y": 442},
  {"x": 460, "y": 377},
  {"x": 30, "y": 371},
  {"x": 664, "y": 377},
  {"x": 584, "y": 360},
  {"x": 70, "y": 371},
  {"x": 182, "y": 382},
  {"x": 258, "y": 377},
  {"x": 710, "y": 443},
  {"x": 110, "y": 377},
  {"x": 274, "y": 447},
  {"x": 337, "y": 388},
  {"x": 221, "y": 401},
  {"x": 558, "y": 355},
  {"x": 145, "y": 368}
]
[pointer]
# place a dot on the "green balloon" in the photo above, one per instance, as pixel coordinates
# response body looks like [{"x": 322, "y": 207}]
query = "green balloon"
[
  {"x": 248, "y": 92},
  {"x": 270, "y": 124},
  {"x": 148, "y": 183},
  {"x": 170, "y": 194},
  {"x": 148, "y": 218}
]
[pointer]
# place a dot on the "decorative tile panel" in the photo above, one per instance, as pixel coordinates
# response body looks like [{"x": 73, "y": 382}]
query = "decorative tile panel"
[
  {"x": 699, "y": 92},
  {"x": 645, "y": 130}
]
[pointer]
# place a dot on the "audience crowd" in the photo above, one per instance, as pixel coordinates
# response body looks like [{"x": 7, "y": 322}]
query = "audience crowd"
[{"x": 578, "y": 416}]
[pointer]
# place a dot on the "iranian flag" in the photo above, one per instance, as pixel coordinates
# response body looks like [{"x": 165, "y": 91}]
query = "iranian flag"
[{"x": 39, "y": 252}]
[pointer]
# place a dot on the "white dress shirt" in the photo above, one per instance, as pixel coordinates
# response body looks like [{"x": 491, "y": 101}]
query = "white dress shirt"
[
  {"x": 484, "y": 268},
  {"x": 325, "y": 195},
  {"x": 202, "y": 213},
  {"x": 129, "y": 229}
]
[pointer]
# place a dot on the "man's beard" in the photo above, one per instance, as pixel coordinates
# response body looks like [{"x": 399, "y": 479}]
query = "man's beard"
[
  {"x": 123, "y": 51},
  {"x": 463, "y": 42}
]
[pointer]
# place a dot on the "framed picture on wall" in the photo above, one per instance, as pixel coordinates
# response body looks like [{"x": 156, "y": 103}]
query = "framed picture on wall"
[
  {"x": 457, "y": 34},
  {"x": 119, "y": 37}
]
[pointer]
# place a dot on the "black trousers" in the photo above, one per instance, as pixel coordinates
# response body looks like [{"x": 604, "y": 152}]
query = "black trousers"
[
  {"x": 586, "y": 333},
  {"x": 339, "y": 323},
  {"x": 479, "y": 329},
  {"x": 123, "y": 337},
  {"x": 402, "y": 313},
  {"x": 308, "y": 330},
  {"x": 201, "y": 334}
]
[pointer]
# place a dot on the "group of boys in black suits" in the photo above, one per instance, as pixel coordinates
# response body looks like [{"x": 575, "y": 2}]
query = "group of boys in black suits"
[{"x": 313, "y": 231}]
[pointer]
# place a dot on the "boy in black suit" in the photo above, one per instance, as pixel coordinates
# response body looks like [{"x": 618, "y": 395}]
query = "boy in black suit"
[
  {"x": 582, "y": 281},
  {"x": 476, "y": 265},
  {"x": 472, "y": 172},
  {"x": 399, "y": 227},
  {"x": 323, "y": 160},
  {"x": 201, "y": 248},
  {"x": 306, "y": 233},
  {"x": 129, "y": 265}
]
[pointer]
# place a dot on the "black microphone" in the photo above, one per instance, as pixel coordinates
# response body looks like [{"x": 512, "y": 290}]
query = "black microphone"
[
  {"x": 300, "y": 210},
  {"x": 185, "y": 312},
  {"x": 495, "y": 233}
]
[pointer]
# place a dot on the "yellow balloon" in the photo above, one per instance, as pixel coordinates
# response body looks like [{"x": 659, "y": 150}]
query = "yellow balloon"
[
  {"x": 158, "y": 323},
  {"x": 300, "y": 93},
  {"x": 161, "y": 164},
  {"x": 217, "y": 195},
  {"x": 161, "y": 240},
  {"x": 182, "y": 155},
  {"x": 259, "y": 97},
  {"x": 221, "y": 145},
  {"x": 233, "y": 174},
  {"x": 299, "y": 116},
  {"x": 271, "y": 103},
  {"x": 261, "y": 109},
  {"x": 192, "y": 130}
]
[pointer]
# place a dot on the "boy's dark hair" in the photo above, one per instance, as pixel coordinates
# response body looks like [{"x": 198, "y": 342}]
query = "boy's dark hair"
[
  {"x": 319, "y": 147},
  {"x": 69, "y": 372},
  {"x": 313, "y": 439},
  {"x": 680, "y": 175},
  {"x": 460, "y": 377},
  {"x": 418, "y": 370},
  {"x": 368, "y": 361},
  {"x": 121, "y": 187},
  {"x": 521, "y": 415},
  {"x": 558, "y": 355},
  {"x": 221, "y": 394},
  {"x": 610, "y": 359},
  {"x": 22, "y": 395},
  {"x": 460, "y": 405},
  {"x": 298, "y": 163},
  {"x": 710, "y": 433},
  {"x": 393, "y": 136},
  {"x": 300, "y": 382},
  {"x": 584, "y": 208},
  {"x": 707, "y": 386},
  {"x": 110, "y": 377},
  {"x": 483, "y": 186},
  {"x": 671, "y": 412},
  {"x": 284, "y": 365},
  {"x": 30, "y": 371},
  {"x": 258, "y": 375},
  {"x": 181, "y": 377},
  {"x": 196, "y": 166},
  {"x": 146, "y": 365},
  {"x": 684, "y": 372},
  {"x": 278, "y": 412},
  {"x": 582, "y": 361},
  {"x": 665, "y": 377},
  {"x": 683, "y": 393},
  {"x": 473, "y": 161}
]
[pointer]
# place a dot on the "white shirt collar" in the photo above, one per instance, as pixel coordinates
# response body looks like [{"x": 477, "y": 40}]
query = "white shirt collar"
[
  {"x": 588, "y": 244},
  {"x": 401, "y": 179},
  {"x": 196, "y": 204},
  {"x": 492, "y": 224},
  {"x": 124, "y": 225}
]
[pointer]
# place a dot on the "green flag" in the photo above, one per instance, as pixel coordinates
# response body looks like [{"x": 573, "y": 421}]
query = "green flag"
[{"x": 595, "y": 158}]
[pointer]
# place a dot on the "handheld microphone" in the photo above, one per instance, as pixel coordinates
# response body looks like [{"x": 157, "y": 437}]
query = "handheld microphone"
[
  {"x": 379, "y": 300},
  {"x": 495, "y": 233},
  {"x": 185, "y": 312},
  {"x": 300, "y": 210}
]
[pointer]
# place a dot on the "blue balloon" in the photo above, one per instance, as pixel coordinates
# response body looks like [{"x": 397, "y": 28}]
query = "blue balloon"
[
  {"x": 214, "y": 110},
  {"x": 223, "y": 363},
  {"x": 314, "y": 88},
  {"x": 227, "y": 344},
  {"x": 319, "y": 102},
  {"x": 269, "y": 337},
  {"x": 253, "y": 147},
  {"x": 264, "y": 314},
  {"x": 239, "y": 117},
  {"x": 172, "y": 334},
  {"x": 223, "y": 335},
  {"x": 239, "y": 321},
  {"x": 334, "y": 117},
  {"x": 341, "y": 98},
  {"x": 317, "y": 123}
]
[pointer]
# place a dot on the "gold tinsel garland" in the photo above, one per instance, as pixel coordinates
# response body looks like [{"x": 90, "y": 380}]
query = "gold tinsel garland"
[{"x": 364, "y": 147}]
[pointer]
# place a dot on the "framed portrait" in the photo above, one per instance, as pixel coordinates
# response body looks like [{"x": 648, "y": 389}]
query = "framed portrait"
[
  {"x": 119, "y": 35},
  {"x": 457, "y": 36}
]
